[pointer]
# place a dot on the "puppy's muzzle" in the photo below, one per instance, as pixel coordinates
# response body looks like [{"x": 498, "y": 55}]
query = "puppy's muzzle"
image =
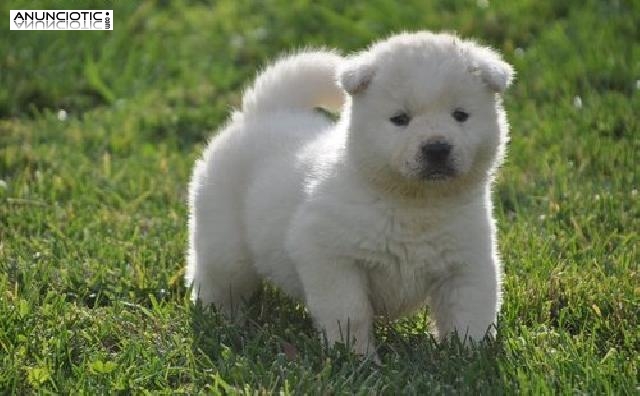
[
  {"x": 436, "y": 159},
  {"x": 436, "y": 152}
]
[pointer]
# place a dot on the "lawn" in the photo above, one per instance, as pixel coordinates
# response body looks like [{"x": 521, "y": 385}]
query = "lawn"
[{"x": 99, "y": 130}]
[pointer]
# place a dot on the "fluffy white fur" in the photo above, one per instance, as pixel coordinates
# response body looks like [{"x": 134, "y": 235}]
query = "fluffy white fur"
[{"x": 348, "y": 216}]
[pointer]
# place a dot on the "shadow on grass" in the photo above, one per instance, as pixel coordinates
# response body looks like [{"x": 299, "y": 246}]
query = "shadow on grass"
[
  {"x": 451, "y": 366},
  {"x": 278, "y": 335},
  {"x": 271, "y": 320}
]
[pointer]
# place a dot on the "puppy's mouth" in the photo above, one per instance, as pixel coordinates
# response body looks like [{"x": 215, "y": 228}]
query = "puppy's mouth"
[{"x": 438, "y": 173}]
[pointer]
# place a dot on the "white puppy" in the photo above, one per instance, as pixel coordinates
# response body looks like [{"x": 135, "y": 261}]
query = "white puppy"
[{"x": 379, "y": 213}]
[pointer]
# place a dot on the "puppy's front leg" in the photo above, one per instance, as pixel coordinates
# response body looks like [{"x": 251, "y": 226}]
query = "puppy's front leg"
[
  {"x": 336, "y": 295},
  {"x": 467, "y": 304}
]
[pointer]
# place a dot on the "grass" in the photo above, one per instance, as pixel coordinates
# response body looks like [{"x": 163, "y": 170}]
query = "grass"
[{"x": 99, "y": 130}]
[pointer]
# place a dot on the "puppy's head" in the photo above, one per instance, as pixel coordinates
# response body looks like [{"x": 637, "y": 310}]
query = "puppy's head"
[{"x": 425, "y": 109}]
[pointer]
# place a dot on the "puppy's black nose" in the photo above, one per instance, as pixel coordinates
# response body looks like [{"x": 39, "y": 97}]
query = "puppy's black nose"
[{"x": 437, "y": 151}]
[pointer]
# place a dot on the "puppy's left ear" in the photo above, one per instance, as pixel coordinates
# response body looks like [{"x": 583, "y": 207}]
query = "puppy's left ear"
[
  {"x": 355, "y": 74},
  {"x": 494, "y": 72}
]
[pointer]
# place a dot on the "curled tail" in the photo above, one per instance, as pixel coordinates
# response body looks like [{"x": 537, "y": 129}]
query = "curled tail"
[{"x": 302, "y": 81}]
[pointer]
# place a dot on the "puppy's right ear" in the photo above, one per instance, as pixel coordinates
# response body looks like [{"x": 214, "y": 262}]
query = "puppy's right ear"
[
  {"x": 356, "y": 74},
  {"x": 488, "y": 64}
]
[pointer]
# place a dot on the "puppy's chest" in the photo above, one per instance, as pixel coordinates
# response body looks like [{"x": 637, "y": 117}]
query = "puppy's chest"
[{"x": 404, "y": 257}]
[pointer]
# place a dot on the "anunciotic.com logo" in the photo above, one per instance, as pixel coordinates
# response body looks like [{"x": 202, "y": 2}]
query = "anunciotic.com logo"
[{"x": 61, "y": 20}]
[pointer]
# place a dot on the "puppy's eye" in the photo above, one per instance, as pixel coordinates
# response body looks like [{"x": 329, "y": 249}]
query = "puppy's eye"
[
  {"x": 460, "y": 115},
  {"x": 401, "y": 119}
]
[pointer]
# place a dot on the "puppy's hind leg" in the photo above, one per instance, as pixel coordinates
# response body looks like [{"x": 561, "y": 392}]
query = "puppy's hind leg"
[{"x": 219, "y": 269}]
